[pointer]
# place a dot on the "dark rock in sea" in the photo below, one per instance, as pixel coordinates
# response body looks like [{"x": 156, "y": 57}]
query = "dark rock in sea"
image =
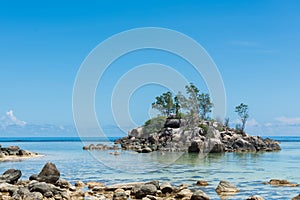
[
  {"x": 49, "y": 174},
  {"x": 199, "y": 195},
  {"x": 202, "y": 183},
  {"x": 255, "y": 197},
  {"x": 11, "y": 176},
  {"x": 278, "y": 182},
  {"x": 166, "y": 188},
  {"x": 225, "y": 187}
]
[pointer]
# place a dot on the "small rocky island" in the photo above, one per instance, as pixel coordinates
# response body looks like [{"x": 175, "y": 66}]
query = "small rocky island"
[
  {"x": 14, "y": 153},
  {"x": 184, "y": 125},
  {"x": 208, "y": 137}
]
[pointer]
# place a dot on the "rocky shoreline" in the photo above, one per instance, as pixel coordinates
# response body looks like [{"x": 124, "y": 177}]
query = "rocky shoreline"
[
  {"x": 207, "y": 137},
  {"x": 13, "y": 153},
  {"x": 48, "y": 185}
]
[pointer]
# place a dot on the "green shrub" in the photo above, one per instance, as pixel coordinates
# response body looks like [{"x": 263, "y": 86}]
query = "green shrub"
[{"x": 154, "y": 125}]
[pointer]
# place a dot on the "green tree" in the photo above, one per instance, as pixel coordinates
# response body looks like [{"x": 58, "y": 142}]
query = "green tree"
[
  {"x": 164, "y": 103},
  {"x": 205, "y": 105},
  {"x": 242, "y": 110}
]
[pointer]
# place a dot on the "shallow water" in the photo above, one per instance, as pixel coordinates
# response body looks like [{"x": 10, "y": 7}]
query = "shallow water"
[{"x": 246, "y": 170}]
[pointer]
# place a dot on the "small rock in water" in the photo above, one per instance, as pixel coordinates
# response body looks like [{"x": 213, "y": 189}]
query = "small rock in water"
[
  {"x": 226, "y": 187},
  {"x": 277, "y": 182},
  {"x": 202, "y": 183},
  {"x": 11, "y": 176},
  {"x": 255, "y": 197}
]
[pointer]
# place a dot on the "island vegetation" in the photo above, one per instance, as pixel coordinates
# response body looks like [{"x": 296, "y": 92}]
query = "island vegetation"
[{"x": 184, "y": 123}]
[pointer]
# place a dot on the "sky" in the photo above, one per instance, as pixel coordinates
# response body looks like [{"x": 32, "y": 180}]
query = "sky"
[{"x": 254, "y": 44}]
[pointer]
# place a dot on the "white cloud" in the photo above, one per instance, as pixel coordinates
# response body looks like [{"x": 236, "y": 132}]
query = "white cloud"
[
  {"x": 288, "y": 120},
  {"x": 252, "y": 123},
  {"x": 10, "y": 119}
]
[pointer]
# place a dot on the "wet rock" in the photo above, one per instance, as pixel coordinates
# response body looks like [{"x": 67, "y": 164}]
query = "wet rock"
[
  {"x": 11, "y": 176},
  {"x": 62, "y": 183},
  {"x": 185, "y": 193},
  {"x": 166, "y": 188},
  {"x": 202, "y": 183},
  {"x": 226, "y": 187},
  {"x": 278, "y": 182},
  {"x": 120, "y": 194},
  {"x": 199, "y": 195},
  {"x": 49, "y": 174},
  {"x": 146, "y": 150},
  {"x": 79, "y": 184},
  {"x": 255, "y": 197},
  {"x": 6, "y": 187},
  {"x": 124, "y": 186},
  {"x": 296, "y": 197},
  {"x": 92, "y": 184},
  {"x": 141, "y": 191}
]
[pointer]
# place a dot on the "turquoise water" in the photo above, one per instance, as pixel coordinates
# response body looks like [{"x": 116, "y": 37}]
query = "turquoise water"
[{"x": 246, "y": 170}]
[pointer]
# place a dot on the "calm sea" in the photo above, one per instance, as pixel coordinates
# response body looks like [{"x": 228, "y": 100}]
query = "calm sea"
[{"x": 246, "y": 170}]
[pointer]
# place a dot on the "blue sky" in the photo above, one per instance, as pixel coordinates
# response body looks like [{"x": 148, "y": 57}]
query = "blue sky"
[{"x": 255, "y": 45}]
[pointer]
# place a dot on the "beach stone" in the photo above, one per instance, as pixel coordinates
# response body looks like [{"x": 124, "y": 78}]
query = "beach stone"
[
  {"x": 49, "y": 174},
  {"x": 62, "y": 183},
  {"x": 184, "y": 193},
  {"x": 11, "y": 176},
  {"x": 6, "y": 187},
  {"x": 202, "y": 183},
  {"x": 199, "y": 195},
  {"x": 79, "y": 184},
  {"x": 124, "y": 186},
  {"x": 226, "y": 187},
  {"x": 141, "y": 191},
  {"x": 42, "y": 187},
  {"x": 277, "y": 182},
  {"x": 119, "y": 194},
  {"x": 296, "y": 197},
  {"x": 154, "y": 182},
  {"x": 255, "y": 197},
  {"x": 92, "y": 184},
  {"x": 166, "y": 188}
]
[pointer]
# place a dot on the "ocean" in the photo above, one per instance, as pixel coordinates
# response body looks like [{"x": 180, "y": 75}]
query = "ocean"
[{"x": 247, "y": 171}]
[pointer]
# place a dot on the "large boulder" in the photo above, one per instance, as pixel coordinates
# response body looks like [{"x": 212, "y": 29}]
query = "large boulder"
[
  {"x": 49, "y": 174},
  {"x": 137, "y": 132},
  {"x": 255, "y": 197},
  {"x": 296, "y": 197},
  {"x": 11, "y": 176},
  {"x": 172, "y": 123},
  {"x": 225, "y": 187}
]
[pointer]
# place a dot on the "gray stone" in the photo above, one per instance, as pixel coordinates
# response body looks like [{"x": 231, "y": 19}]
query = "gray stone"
[
  {"x": 166, "y": 188},
  {"x": 49, "y": 173},
  {"x": 226, "y": 187},
  {"x": 199, "y": 195},
  {"x": 11, "y": 176},
  {"x": 255, "y": 197}
]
